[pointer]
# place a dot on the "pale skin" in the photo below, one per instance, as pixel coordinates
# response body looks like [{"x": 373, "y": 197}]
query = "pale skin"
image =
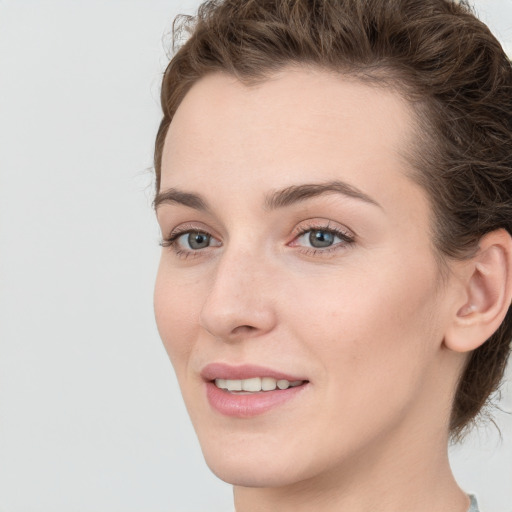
[{"x": 378, "y": 328}]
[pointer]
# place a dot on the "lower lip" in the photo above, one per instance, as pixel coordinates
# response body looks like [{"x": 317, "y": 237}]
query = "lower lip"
[{"x": 246, "y": 406}]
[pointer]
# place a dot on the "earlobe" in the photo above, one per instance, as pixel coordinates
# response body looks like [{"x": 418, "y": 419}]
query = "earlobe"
[{"x": 488, "y": 293}]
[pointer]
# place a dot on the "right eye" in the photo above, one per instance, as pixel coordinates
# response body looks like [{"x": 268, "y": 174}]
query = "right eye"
[{"x": 190, "y": 241}]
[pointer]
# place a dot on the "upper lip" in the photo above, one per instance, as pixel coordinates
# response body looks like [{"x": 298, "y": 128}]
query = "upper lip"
[{"x": 214, "y": 371}]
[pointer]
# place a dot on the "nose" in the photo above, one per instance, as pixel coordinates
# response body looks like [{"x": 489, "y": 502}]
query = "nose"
[{"x": 240, "y": 301}]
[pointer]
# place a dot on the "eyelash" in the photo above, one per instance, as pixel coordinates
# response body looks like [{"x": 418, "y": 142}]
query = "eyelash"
[{"x": 347, "y": 239}]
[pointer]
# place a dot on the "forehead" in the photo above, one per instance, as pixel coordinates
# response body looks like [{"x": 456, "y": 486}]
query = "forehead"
[{"x": 300, "y": 125}]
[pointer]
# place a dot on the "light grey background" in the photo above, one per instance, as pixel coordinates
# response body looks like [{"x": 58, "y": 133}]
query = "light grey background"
[{"x": 91, "y": 418}]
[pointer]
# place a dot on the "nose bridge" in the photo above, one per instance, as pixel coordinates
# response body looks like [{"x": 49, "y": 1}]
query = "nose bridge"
[{"x": 238, "y": 301}]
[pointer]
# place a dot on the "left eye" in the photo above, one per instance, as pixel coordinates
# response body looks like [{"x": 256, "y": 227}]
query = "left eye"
[{"x": 320, "y": 238}]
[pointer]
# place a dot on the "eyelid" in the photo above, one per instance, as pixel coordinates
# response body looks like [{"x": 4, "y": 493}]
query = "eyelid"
[
  {"x": 325, "y": 225},
  {"x": 187, "y": 227}
]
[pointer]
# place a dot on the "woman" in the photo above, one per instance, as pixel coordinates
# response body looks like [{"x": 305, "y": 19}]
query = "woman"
[{"x": 334, "y": 185}]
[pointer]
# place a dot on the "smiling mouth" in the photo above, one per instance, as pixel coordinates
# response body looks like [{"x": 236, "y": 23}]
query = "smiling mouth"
[
  {"x": 245, "y": 391},
  {"x": 256, "y": 384}
]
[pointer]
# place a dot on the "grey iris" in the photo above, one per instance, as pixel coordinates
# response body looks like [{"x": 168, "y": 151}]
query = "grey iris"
[
  {"x": 198, "y": 240},
  {"x": 321, "y": 238}
]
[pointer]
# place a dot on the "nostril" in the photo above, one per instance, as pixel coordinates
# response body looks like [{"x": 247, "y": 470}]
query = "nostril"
[{"x": 244, "y": 329}]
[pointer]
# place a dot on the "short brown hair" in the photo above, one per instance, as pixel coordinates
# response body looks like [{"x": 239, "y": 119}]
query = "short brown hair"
[{"x": 440, "y": 57}]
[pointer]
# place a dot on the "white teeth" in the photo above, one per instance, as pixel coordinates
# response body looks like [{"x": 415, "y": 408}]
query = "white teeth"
[
  {"x": 283, "y": 384},
  {"x": 251, "y": 384},
  {"x": 221, "y": 383},
  {"x": 234, "y": 385},
  {"x": 256, "y": 384},
  {"x": 268, "y": 384}
]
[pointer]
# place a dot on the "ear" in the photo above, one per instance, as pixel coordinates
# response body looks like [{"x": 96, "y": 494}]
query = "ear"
[{"x": 487, "y": 293}]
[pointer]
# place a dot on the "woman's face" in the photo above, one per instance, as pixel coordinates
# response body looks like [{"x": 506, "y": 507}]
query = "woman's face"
[{"x": 297, "y": 249}]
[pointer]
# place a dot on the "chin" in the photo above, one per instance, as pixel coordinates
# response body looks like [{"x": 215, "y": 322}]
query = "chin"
[
  {"x": 260, "y": 463},
  {"x": 246, "y": 473}
]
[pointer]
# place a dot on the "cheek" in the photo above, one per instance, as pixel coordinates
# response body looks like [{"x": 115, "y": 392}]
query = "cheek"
[
  {"x": 370, "y": 336},
  {"x": 375, "y": 329},
  {"x": 176, "y": 312}
]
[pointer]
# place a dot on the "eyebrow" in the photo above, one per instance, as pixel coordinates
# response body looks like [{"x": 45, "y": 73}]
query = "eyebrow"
[
  {"x": 173, "y": 195},
  {"x": 275, "y": 200},
  {"x": 298, "y": 193}
]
